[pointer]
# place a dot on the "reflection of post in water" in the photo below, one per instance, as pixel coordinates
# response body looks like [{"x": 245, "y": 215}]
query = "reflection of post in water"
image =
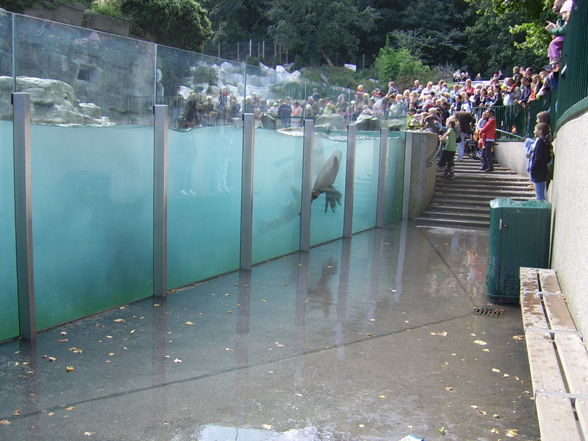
[
  {"x": 320, "y": 292},
  {"x": 242, "y": 346},
  {"x": 30, "y": 400},
  {"x": 159, "y": 395},
  {"x": 300, "y": 315},
  {"x": 342, "y": 298}
]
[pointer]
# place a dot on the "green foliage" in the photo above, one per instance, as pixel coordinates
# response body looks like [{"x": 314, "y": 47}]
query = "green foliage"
[
  {"x": 107, "y": 7},
  {"x": 179, "y": 23},
  {"x": 21, "y": 5},
  {"x": 204, "y": 74},
  {"x": 254, "y": 61},
  {"x": 319, "y": 30},
  {"x": 402, "y": 67},
  {"x": 339, "y": 76}
]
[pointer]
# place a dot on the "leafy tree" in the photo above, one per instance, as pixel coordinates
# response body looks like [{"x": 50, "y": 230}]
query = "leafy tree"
[
  {"x": 180, "y": 23},
  {"x": 319, "y": 29},
  {"x": 401, "y": 66},
  {"x": 237, "y": 20}
]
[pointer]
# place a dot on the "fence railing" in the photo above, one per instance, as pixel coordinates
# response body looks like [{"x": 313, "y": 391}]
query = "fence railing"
[{"x": 572, "y": 92}]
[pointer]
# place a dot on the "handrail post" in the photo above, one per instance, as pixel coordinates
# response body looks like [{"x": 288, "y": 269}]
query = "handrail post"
[
  {"x": 23, "y": 215},
  {"x": 160, "y": 168},
  {"x": 382, "y": 177},
  {"x": 247, "y": 192},
  {"x": 349, "y": 181},
  {"x": 306, "y": 194}
]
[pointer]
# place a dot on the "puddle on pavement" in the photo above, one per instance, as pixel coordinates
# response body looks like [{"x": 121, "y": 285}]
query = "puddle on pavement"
[{"x": 221, "y": 433}]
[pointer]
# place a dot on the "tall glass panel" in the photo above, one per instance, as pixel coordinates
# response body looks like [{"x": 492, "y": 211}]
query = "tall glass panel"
[
  {"x": 365, "y": 188},
  {"x": 204, "y": 176},
  {"x": 394, "y": 177},
  {"x": 329, "y": 157},
  {"x": 276, "y": 193},
  {"x": 8, "y": 295},
  {"x": 204, "y": 203},
  {"x": 92, "y": 167}
]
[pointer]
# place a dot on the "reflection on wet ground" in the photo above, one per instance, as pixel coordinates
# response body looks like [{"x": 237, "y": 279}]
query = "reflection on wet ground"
[{"x": 372, "y": 338}]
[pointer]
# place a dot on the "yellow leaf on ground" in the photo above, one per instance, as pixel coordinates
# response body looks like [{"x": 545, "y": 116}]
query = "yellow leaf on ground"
[
  {"x": 70, "y": 408},
  {"x": 4, "y": 422},
  {"x": 511, "y": 433},
  {"x": 188, "y": 323},
  {"x": 69, "y": 369}
]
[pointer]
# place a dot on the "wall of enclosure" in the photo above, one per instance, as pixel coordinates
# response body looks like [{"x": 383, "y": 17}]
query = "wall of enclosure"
[{"x": 93, "y": 173}]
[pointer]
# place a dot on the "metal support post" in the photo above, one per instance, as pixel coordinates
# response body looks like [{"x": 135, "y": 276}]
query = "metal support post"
[
  {"x": 381, "y": 201},
  {"x": 306, "y": 194},
  {"x": 407, "y": 170},
  {"x": 349, "y": 180},
  {"x": 247, "y": 191},
  {"x": 23, "y": 215},
  {"x": 160, "y": 168}
]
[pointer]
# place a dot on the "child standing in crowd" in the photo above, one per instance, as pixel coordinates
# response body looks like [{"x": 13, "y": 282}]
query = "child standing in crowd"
[
  {"x": 448, "y": 154},
  {"x": 540, "y": 159}
]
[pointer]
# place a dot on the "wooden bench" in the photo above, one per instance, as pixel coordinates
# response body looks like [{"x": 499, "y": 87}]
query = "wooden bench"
[{"x": 557, "y": 357}]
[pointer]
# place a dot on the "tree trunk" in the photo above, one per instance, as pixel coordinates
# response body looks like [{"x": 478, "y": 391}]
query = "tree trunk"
[{"x": 329, "y": 62}]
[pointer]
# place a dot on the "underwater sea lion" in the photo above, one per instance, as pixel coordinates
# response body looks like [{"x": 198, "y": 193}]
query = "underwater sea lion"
[{"x": 325, "y": 179}]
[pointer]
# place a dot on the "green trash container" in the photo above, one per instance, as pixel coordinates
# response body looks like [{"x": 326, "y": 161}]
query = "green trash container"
[{"x": 519, "y": 236}]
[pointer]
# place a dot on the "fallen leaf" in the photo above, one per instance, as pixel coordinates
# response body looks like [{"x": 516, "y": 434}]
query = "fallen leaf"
[
  {"x": 449, "y": 388},
  {"x": 177, "y": 360},
  {"x": 279, "y": 345},
  {"x": 496, "y": 416},
  {"x": 70, "y": 408},
  {"x": 110, "y": 354},
  {"x": 69, "y": 369},
  {"x": 88, "y": 433},
  {"x": 229, "y": 349},
  {"x": 51, "y": 413},
  {"x": 51, "y": 359},
  {"x": 473, "y": 406},
  {"x": 361, "y": 425},
  {"x": 62, "y": 340},
  {"x": 4, "y": 422},
  {"x": 188, "y": 323},
  {"x": 229, "y": 312},
  {"x": 505, "y": 376},
  {"x": 518, "y": 337},
  {"x": 480, "y": 342},
  {"x": 267, "y": 426},
  {"x": 16, "y": 412},
  {"x": 298, "y": 395},
  {"x": 443, "y": 431},
  {"x": 133, "y": 331},
  {"x": 483, "y": 412},
  {"x": 109, "y": 336},
  {"x": 381, "y": 397},
  {"x": 63, "y": 333},
  {"x": 511, "y": 433},
  {"x": 119, "y": 320},
  {"x": 495, "y": 431},
  {"x": 495, "y": 370}
]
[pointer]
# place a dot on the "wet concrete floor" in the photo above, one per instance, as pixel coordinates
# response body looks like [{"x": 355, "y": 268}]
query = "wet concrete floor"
[{"x": 372, "y": 338}]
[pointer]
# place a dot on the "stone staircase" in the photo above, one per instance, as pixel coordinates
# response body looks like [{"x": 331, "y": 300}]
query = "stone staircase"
[{"x": 463, "y": 202}]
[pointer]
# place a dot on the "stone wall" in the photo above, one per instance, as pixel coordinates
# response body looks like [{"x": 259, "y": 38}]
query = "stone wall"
[
  {"x": 512, "y": 155},
  {"x": 570, "y": 222}
]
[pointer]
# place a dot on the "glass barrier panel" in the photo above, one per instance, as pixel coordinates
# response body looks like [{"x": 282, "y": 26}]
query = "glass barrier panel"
[
  {"x": 365, "y": 188},
  {"x": 204, "y": 203},
  {"x": 92, "y": 219},
  {"x": 329, "y": 156},
  {"x": 9, "y": 324},
  {"x": 80, "y": 76},
  {"x": 394, "y": 177},
  {"x": 276, "y": 193},
  {"x": 199, "y": 90},
  {"x": 92, "y": 172}
]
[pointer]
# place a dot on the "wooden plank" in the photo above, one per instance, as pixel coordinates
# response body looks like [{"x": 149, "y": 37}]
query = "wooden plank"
[
  {"x": 582, "y": 412},
  {"x": 558, "y": 313},
  {"x": 574, "y": 360},
  {"x": 556, "y": 419},
  {"x": 529, "y": 280},
  {"x": 532, "y": 311},
  {"x": 549, "y": 281},
  {"x": 545, "y": 372}
]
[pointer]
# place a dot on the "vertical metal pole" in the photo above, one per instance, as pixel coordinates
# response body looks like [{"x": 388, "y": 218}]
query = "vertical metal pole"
[
  {"x": 407, "y": 170},
  {"x": 263, "y": 49},
  {"x": 306, "y": 196},
  {"x": 247, "y": 191},
  {"x": 250, "y": 47},
  {"x": 349, "y": 178},
  {"x": 160, "y": 156},
  {"x": 13, "y": 52},
  {"x": 381, "y": 201},
  {"x": 219, "y": 49},
  {"x": 23, "y": 215},
  {"x": 154, "y": 78}
]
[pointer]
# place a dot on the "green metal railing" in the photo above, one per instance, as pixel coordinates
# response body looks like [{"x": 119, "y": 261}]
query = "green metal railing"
[{"x": 572, "y": 92}]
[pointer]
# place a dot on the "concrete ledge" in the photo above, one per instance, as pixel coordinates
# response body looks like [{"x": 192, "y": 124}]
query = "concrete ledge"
[
  {"x": 72, "y": 14},
  {"x": 422, "y": 175},
  {"x": 511, "y": 154}
]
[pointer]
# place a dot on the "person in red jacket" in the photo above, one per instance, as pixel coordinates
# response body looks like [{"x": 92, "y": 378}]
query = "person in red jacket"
[{"x": 488, "y": 134}]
